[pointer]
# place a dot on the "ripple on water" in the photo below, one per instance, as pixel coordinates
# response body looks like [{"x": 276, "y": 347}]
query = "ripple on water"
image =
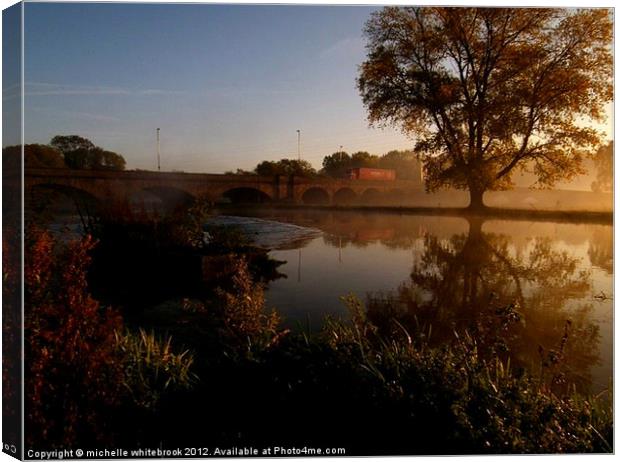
[{"x": 266, "y": 233}]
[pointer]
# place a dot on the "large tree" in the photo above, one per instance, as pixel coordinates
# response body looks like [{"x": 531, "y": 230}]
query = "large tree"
[{"x": 487, "y": 91}]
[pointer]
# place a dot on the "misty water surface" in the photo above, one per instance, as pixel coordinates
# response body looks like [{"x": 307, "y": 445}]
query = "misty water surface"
[
  {"x": 456, "y": 275},
  {"x": 449, "y": 274}
]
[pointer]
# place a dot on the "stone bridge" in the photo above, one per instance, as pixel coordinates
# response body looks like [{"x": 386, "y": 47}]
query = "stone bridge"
[{"x": 109, "y": 186}]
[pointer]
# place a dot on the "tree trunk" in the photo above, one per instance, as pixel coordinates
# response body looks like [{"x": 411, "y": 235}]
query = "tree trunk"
[{"x": 475, "y": 199}]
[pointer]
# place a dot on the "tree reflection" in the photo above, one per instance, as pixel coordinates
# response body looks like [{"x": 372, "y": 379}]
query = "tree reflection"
[
  {"x": 520, "y": 303},
  {"x": 601, "y": 249}
]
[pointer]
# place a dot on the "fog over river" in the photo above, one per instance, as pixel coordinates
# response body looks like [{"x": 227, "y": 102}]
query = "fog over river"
[{"x": 450, "y": 274}]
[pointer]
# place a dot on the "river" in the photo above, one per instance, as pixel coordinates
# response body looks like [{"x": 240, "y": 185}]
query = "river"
[
  {"x": 539, "y": 292},
  {"x": 555, "y": 280}
]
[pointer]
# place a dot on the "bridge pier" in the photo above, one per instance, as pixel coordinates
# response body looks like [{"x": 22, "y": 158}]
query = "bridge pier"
[{"x": 281, "y": 189}]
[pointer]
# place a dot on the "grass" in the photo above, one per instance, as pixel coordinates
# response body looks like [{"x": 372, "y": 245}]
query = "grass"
[
  {"x": 151, "y": 367},
  {"x": 353, "y": 386}
]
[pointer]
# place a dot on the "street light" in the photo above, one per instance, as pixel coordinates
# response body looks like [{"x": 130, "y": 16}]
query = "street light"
[{"x": 299, "y": 145}]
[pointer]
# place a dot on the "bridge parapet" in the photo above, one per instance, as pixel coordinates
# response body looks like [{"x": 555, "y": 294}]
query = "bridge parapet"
[{"x": 143, "y": 175}]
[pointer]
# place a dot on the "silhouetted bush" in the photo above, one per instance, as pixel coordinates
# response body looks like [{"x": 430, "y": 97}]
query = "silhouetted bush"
[
  {"x": 242, "y": 312},
  {"x": 145, "y": 258}
]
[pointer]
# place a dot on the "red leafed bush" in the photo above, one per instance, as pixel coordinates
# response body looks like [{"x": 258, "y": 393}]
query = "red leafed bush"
[{"x": 73, "y": 377}]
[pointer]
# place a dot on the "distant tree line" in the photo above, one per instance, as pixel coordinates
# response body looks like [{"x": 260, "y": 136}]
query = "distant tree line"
[
  {"x": 281, "y": 167},
  {"x": 405, "y": 163},
  {"x": 336, "y": 165},
  {"x": 70, "y": 151},
  {"x": 285, "y": 167}
]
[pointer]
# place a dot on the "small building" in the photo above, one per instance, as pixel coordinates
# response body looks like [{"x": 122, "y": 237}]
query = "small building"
[{"x": 364, "y": 173}]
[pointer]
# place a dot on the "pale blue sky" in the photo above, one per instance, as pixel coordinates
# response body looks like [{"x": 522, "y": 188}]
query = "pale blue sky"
[{"x": 228, "y": 85}]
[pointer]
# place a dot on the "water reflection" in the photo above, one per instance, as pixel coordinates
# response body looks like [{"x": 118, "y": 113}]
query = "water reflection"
[
  {"x": 514, "y": 302},
  {"x": 539, "y": 293},
  {"x": 601, "y": 249}
]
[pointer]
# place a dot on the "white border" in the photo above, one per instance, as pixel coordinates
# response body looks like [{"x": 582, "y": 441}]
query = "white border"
[{"x": 550, "y": 3}]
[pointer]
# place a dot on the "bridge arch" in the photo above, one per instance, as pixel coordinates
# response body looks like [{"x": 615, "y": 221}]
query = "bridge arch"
[
  {"x": 371, "y": 196},
  {"x": 58, "y": 198},
  {"x": 315, "y": 196},
  {"x": 344, "y": 196},
  {"x": 167, "y": 197},
  {"x": 245, "y": 195}
]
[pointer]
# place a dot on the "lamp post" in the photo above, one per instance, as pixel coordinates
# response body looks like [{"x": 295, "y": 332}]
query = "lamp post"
[
  {"x": 299, "y": 145},
  {"x": 158, "y": 159}
]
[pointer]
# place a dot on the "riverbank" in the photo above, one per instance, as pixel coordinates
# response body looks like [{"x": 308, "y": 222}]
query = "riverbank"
[{"x": 559, "y": 216}]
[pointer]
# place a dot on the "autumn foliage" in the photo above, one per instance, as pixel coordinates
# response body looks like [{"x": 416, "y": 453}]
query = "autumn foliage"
[
  {"x": 72, "y": 373},
  {"x": 490, "y": 91}
]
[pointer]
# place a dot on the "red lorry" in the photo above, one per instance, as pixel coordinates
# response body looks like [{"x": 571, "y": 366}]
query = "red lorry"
[{"x": 364, "y": 173}]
